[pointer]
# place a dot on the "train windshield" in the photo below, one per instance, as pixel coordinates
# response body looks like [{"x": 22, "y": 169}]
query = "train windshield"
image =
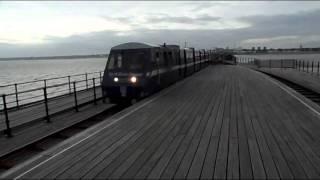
[{"x": 130, "y": 61}]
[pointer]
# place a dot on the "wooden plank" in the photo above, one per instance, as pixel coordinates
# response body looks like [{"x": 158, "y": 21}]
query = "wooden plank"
[
  {"x": 220, "y": 170},
  {"x": 156, "y": 172},
  {"x": 186, "y": 162},
  {"x": 256, "y": 160},
  {"x": 278, "y": 157},
  {"x": 290, "y": 132},
  {"x": 266, "y": 156},
  {"x": 209, "y": 163},
  {"x": 63, "y": 167},
  {"x": 119, "y": 156},
  {"x": 133, "y": 170},
  {"x": 244, "y": 152},
  {"x": 233, "y": 169},
  {"x": 97, "y": 162},
  {"x": 196, "y": 166}
]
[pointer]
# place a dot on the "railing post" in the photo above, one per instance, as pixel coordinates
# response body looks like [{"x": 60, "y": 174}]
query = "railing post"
[
  {"x": 5, "y": 110},
  {"x": 94, "y": 91},
  {"x": 100, "y": 73},
  {"x": 318, "y": 67},
  {"x": 75, "y": 96},
  {"x": 69, "y": 82},
  {"x": 300, "y": 65},
  {"x": 45, "y": 83},
  {"x": 303, "y": 66},
  {"x": 312, "y": 67},
  {"x": 17, "y": 98},
  {"x": 46, "y": 104},
  {"x": 307, "y": 66},
  {"x": 87, "y": 80}
]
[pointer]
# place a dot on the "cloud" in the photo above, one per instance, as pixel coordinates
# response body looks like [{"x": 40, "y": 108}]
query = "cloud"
[
  {"x": 284, "y": 30},
  {"x": 182, "y": 19},
  {"x": 291, "y": 28}
]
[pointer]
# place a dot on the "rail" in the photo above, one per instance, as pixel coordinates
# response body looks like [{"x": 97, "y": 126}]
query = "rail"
[
  {"x": 36, "y": 103},
  {"x": 308, "y": 66},
  {"x": 24, "y": 93}
]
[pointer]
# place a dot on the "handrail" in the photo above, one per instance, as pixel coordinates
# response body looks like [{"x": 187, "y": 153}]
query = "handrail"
[
  {"x": 48, "y": 79},
  {"x": 21, "y": 97}
]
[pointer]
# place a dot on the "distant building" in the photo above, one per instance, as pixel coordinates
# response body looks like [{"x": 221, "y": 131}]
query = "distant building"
[{"x": 259, "y": 49}]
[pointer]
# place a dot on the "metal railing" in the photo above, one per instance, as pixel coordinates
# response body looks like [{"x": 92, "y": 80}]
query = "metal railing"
[
  {"x": 308, "y": 66},
  {"x": 19, "y": 94},
  {"x": 312, "y": 67},
  {"x": 35, "y": 103}
]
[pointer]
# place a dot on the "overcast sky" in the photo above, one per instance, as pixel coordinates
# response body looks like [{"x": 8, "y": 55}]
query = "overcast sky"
[{"x": 65, "y": 28}]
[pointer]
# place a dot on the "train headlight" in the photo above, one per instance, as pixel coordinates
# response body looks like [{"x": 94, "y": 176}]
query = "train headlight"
[
  {"x": 133, "y": 79},
  {"x": 115, "y": 79}
]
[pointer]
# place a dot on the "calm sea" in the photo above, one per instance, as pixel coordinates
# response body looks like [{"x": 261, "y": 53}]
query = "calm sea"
[{"x": 15, "y": 71}]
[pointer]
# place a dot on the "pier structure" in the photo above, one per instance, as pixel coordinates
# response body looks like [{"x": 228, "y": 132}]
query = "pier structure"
[{"x": 225, "y": 121}]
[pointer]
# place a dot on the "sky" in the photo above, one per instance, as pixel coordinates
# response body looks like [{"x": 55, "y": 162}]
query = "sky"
[{"x": 50, "y": 28}]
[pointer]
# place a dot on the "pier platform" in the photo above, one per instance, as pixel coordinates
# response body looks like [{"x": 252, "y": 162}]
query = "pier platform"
[
  {"x": 308, "y": 80},
  {"x": 222, "y": 122}
]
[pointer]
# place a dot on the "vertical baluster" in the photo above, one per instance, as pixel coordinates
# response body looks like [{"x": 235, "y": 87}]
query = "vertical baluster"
[
  {"x": 69, "y": 82},
  {"x": 87, "y": 80},
  {"x": 94, "y": 91},
  {"x": 45, "y": 83},
  {"x": 100, "y": 73},
  {"x": 16, "y": 92},
  {"x": 5, "y": 110},
  {"x": 299, "y": 65},
  {"x": 75, "y": 97},
  {"x": 46, "y": 104},
  {"x": 312, "y": 67}
]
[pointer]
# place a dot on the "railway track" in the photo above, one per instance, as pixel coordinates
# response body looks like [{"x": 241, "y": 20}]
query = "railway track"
[
  {"x": 308, "y": 93},
  {"x": 17, "y": 157}
]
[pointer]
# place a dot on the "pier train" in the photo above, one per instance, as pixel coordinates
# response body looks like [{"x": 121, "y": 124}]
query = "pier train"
[{"x": 135, "y": 70}]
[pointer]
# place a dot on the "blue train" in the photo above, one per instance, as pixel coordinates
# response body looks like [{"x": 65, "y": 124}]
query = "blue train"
[{"x": 135, "y": 70}]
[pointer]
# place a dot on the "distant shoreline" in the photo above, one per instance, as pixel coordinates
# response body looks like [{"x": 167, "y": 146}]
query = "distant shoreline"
[
  {"x": 55, "y": 57},
  {"x": 280, "y": 53}
]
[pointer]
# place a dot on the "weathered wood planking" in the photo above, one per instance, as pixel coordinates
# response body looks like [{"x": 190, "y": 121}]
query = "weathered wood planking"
[{"x": 222, "y": 122}]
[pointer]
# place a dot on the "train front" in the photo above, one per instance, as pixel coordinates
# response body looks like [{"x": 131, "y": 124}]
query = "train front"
[{"x": 124, "y": 76}]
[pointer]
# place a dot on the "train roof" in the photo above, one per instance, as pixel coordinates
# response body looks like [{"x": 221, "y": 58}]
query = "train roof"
[
  {"x": 134, "y": 45},
  {"x": 173, "y": 46}
]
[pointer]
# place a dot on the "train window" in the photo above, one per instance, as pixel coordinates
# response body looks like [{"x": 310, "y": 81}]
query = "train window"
[
  {"x": 166, "y": 61},
  {"x": 157, "y": 57},
  {"x": 119, "y": 61},
  {"x": 111, "y": 62},
  {"x": 170, "y": 58}
]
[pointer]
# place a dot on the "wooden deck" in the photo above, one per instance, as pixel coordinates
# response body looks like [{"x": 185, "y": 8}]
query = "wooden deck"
[
  {"x": 36, "y": 111},
  {"x": 308, "y": 80},
  {"x": 223, "y": 122}
]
